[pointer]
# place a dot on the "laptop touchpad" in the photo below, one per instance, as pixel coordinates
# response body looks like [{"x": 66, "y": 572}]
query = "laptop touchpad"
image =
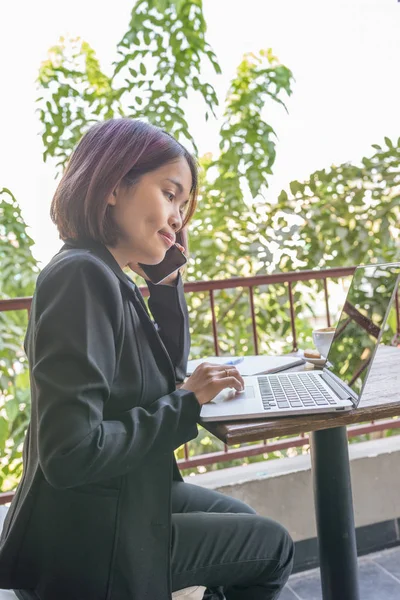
[
  {"x": 229, "y": 394},
  {"x": 248, "y": 391}
]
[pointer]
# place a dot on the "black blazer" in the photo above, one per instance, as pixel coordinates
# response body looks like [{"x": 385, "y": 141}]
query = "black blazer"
[{"x": 91, "y": 518}]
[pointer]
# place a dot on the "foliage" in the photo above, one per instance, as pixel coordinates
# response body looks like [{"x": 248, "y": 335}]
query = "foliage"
[
  {"x": 340, "y": 216},
  {"x": 345, "y": 215},
  {"x": 158, "y": 62},
  {"x": 247, "y": 153},
  {"x": 18, "y": 267},
  {"x": 19, "y": 270},
  {"x": 160, "y": 58},
  {"x": 224, "y": 236},
  {"x": 76, "y": 94}
]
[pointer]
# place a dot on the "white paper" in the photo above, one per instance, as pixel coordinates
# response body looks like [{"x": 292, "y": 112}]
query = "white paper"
[{"x": 251, "y": 365}]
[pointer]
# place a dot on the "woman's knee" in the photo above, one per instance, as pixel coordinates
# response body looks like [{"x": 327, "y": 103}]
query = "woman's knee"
[
  {"x": 237, "y": 506},
  {"x": 223, "y": 503},
  {"x": 187, "y": 497},
  {"x": 283, "y": 547},
  {"x": 278, "y": 542},
  {"x": 287, "y": 554}
]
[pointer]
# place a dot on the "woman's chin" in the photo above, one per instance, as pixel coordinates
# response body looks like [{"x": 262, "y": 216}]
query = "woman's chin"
[{"x": 154, "y": 260}]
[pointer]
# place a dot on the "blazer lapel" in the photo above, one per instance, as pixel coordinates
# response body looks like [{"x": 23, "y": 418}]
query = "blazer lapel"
[
  {"x": 157, "y": 345},
  {"x": 159, "y": 350}
]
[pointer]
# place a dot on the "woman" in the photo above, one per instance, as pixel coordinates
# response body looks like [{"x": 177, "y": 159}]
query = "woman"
[{"x": 101, "y": 511}]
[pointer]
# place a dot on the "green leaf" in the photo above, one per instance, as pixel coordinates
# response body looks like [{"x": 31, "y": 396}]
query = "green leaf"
[
  {"x": 3, "y": 434},
  {"x": 295, "y": 187},
  {"x": 12, "y": 409},
  {"x": 389, "y": 143}
]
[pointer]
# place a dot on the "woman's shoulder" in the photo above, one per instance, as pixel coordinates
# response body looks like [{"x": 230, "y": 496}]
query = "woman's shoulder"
[
  {"x": 78, "y": 272},
  {"x": 72, "y": 263},
  {"x": 75, "y": 279}
]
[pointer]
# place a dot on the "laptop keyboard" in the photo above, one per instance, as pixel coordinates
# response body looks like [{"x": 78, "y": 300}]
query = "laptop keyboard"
[{"x": 292, "y": 391}]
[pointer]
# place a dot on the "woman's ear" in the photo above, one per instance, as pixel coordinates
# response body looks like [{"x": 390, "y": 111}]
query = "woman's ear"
[{"x": 112, "y": 198}]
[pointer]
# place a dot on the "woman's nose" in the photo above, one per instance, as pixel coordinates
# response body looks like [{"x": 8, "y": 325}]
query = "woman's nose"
[{"x": 175, "y": 220}]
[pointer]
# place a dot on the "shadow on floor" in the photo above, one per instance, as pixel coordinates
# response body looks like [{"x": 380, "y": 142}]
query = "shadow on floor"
[{"x": 379, "y": 579}]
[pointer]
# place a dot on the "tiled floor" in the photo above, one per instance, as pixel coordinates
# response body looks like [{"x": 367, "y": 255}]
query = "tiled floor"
[{"x": 379, "y": 579}]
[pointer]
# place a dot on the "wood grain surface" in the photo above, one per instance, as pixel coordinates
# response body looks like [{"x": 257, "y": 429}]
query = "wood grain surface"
[{"x": 380, "y": 400}]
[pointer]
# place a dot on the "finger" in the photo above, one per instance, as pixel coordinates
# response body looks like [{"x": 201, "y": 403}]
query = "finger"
[
  {"x": 231, "y": 381},
  {"x": 181, "y": 248},
  {"x": 226, "y": 371},
  {"x": 211, "y": 369},
  {"x": 206, "y": 366},
  {"x": 235, "y": 383}
]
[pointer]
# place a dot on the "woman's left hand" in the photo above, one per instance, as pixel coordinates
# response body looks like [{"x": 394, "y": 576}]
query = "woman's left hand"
[{"x": 167, "y": 281}]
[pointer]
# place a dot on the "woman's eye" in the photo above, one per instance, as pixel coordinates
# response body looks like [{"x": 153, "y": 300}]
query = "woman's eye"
[{"x": 170, "y": 196}]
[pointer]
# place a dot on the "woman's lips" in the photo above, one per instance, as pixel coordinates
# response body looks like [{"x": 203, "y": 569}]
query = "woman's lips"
[{"x": 167, "y": 239}]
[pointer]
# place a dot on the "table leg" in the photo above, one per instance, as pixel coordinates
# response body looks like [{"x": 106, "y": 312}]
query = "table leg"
[{"x": 334, "y": 514}]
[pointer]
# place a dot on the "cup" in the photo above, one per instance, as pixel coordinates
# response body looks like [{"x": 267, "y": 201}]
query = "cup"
[{"x": 322, "y": 339}]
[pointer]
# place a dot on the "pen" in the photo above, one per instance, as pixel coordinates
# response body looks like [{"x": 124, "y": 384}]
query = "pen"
[{"x": 236, "y": 361}]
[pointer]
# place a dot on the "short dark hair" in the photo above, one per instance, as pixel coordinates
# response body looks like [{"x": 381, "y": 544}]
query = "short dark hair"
[{"x": 112, "y": 152}]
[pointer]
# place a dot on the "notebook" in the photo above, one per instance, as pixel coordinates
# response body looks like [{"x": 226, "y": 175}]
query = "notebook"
[{"x": 250, "y": 365}]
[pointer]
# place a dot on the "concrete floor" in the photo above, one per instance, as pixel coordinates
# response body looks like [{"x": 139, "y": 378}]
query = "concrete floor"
[{"x": 379, "y": 579}]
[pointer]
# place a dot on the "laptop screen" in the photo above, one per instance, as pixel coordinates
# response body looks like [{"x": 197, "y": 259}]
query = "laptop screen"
[{"x": 359, "y": 327}]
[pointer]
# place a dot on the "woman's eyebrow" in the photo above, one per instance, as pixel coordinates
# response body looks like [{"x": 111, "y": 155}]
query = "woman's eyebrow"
[{"x": 175, "y": 182}]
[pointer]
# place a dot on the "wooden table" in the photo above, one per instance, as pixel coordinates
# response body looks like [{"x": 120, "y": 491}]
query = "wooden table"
[{"x": 331, "y": 468}]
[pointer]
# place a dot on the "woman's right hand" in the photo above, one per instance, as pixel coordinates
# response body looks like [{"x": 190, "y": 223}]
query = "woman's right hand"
[{"x": 208, "y": 380}]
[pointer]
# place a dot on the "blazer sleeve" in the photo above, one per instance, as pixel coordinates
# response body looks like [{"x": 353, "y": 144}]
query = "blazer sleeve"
[
  {"x": 73, "y": 358},
  {"x": 169, "y": 309}
]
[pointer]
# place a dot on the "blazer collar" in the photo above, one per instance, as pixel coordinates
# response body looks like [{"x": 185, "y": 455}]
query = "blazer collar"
[{"x": 103, "y": 253}]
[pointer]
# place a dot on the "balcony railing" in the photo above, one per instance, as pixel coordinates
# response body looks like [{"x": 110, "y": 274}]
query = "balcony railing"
[{"x": 250, "y": 283}]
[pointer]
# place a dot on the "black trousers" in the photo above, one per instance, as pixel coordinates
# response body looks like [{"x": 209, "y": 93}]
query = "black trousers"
[{"x": 221, "y": 543}]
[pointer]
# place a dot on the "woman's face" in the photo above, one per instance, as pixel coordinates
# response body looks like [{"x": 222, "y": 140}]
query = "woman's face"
[{"x": 149, "y": 213}]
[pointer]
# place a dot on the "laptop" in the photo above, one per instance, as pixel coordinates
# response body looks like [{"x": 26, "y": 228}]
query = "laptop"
[{"x": 340, "y": 385}]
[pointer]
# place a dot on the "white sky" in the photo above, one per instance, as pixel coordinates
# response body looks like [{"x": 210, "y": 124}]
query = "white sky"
[{"x": 345, "y": 56}]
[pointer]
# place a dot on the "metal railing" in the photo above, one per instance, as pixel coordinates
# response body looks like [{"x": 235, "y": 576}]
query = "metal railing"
[
  {"x": 249, "y": 283},
  {"x": 288, "y": 279}
]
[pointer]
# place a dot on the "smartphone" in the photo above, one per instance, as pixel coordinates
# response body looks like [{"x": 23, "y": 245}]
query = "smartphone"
[{"x": 174, "y": 259}]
